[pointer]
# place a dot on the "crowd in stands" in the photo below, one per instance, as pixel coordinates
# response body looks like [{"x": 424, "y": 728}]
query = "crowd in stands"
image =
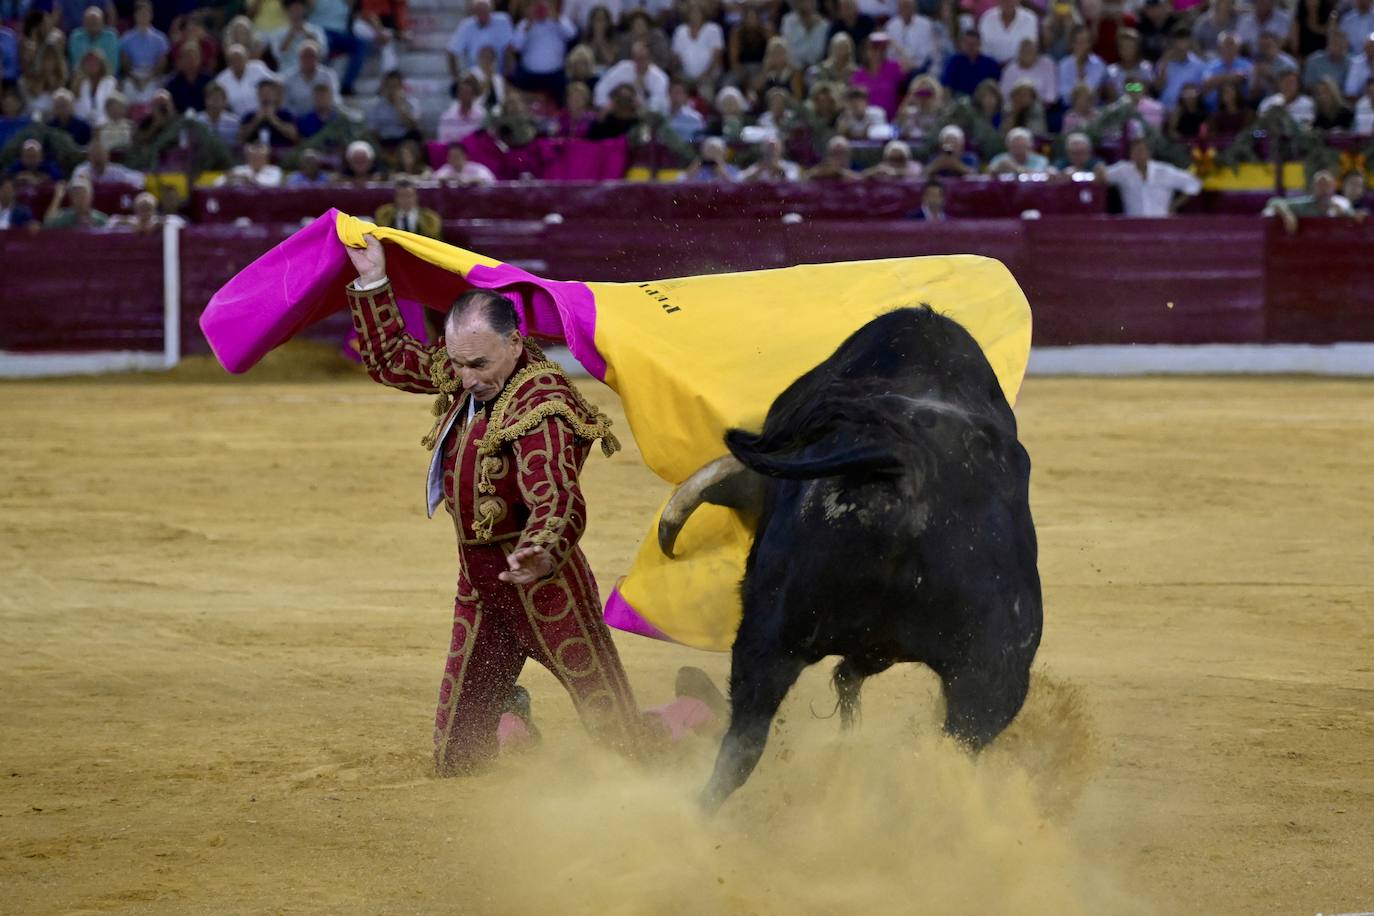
[{"x": 1140, "y": 94}]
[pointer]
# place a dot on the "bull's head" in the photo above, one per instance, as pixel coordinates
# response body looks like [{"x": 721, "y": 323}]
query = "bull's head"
[{"x": 723, "y": 482}]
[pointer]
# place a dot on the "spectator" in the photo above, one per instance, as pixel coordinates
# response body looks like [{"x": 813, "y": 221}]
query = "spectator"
[
  {"x": 512, "y": 123},
  {"x": 1321, "y": 202},
  {"x": 1149, "y": 109},
  {"x": 1079, "y": 160},
  {"x": 1056, "y": 29},
  {"x": 1130, "y": 66},
  {"x": 777, "y": 117},
  {"x": 1155, "y": 24},
  {"x": 406, "y": 214},
  {"x": 321, "y": 113},
  {"x": 1033, "y": 66},
  {"x": 838, "y": 66},
  {"x": 162, "y": 116},
  {"x": 541, "y": 44},
  {"x": 94, "y": 35},
  {"x": 311, "y": 173},
  {"x": 821, "y": 113},
  {"x": 392, "y": 117},
  {"x": 222, "y": 122},
  {"x": 189, "y": 30},
  {"x": 63, "y": 117},
  {"x": 1330, "y": 110},
  {"x": 1228, "y": 69},
  {"x": 600, "y": 38},
  {"x": 711, "y": 165},
  {"x": 1082, "y": 110},
  {"x": 683, "y": 119},
  {"x": 1220, "y": 18},
  {"x": 747, "y": 46},
  {"x": 965, "y": 71},
  {"x": 257, "y": 169},
  {"x": 116, "y": 134},
  {"x": 240, "y": 31},
  {"x": 932, "y": 209},
  {"x": 33, "y": 166},
  {"x": 860, "y": 120},
  {"x": 1355, "y": 190},
  {"x": 298, "y": 85},
  {"x": 578, "y": 116},
  {"x": 1188, "y": 117},
  {"x": 270, "y": 123},
  {"x": 1358, "y": 22},
  {"x": 1315, "y": 22},
  {"x": 1178, "y": 67},
  {"x": 953, "y": 160},
  {"x": 771, "y": 165},
  {"x": 988, "y": 102},
  {"x": 9, "y": 55},
  {"x": 1231, "y": 116},
  {"x": 1364, "y": 110},
  {"x": 144, "y": 48},
  {"x": 1149, "y": 187},
  {"x": 466, "y": 115},
  {"x": 80, "y": 215},
  {"x": 12, "y": 117},
  {"x": 880, "y": 76},
  {"x": 1361, "y": 69},
  {"x": 240, "y": 80},
  {"x": 335, "y": 19},
  {"x": 489, "y": 74},
  {"x": 460, "y": 170},
  {"x": 1082, "y": 66},
  {"x": 580, "y": 66},
  {"x": 777, "y": 72},
  {"x": 144, "y": 217},
  {"x": 914, "y": 44},
  {"x": 806, "y": 33},
  {"x": 619, "y": 116},
  {"x": 836, "y": 164},
  {"x": 1290, "y": 98},
  {"x": 286, "y": 43},
  {"x": 13, "y": 214},
  {"x": 1023, "y": 109},
  {"x": 922, "y": 109},
  {"x": 850, "y": 20},
  {"x": 388, "y": 22},
  {"x": 1268, "y": 66},
  {"x": 1004, "y": 27},
  {"x": 732, "y": 114},
  {"x": 1263, "y": 18},
  {"x": 410, "y": 162},
  {"x": 896, "y": 163},
  {"x": 1333, "y": 63},
  {"x": 98, "y": 169},
  {"x": 483, "y": 28},
  {"x": 92, "y": 87},
  {"x": 646, "y": 78},
  {"x": 1020, "y": 158},
  {"x": 41, "y": 81},
  {"x": 187, "y": 85},
  {"x": 581, "y": 12}
]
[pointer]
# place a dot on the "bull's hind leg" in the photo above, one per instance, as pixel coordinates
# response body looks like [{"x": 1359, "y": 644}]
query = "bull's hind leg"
[
  {"x": 848, "y": 679},
  {"x": 758, "y": 682},
  {"x": 981, "y": 701}
]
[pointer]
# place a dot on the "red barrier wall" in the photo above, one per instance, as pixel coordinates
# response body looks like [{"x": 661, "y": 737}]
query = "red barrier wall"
[{"x": 1090, "y": 280}]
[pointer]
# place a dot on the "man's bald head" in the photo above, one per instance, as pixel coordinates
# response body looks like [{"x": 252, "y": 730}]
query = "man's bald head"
[{"x": 482, "y": 336}]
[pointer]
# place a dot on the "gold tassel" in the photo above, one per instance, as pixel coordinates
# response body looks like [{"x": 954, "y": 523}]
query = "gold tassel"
[{"x": 447, "y": 383}]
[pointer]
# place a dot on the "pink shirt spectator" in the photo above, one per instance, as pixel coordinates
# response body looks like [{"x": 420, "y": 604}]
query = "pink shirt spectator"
[
  {"x": 882, "y": 86},
  {"x": 455, "y": 123}
]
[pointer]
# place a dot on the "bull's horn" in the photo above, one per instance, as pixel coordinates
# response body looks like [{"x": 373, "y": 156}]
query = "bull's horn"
[{"x": 689, "y": 495}]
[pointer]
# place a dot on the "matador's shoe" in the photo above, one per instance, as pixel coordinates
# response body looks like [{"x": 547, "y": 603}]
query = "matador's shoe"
[
  {"x": 697, "y": 684},
  {"x": 516, "y": 729}
]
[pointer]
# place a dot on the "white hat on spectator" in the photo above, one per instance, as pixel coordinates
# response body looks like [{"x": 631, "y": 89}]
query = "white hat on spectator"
[
  {"x": 310, "y": 44},
  {"x": 952, "y": 130},
  {"x": 730, "y": 93},
  {"x": 1020, "y": 132},
  {"x": 360, "y": 146}
]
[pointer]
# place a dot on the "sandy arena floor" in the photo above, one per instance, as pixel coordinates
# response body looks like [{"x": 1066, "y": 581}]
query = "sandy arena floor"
[{"x": 223, "y": 619}]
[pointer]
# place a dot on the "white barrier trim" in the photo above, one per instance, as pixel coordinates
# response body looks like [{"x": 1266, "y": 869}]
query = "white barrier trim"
[
  {"x": 1345, "y": 359},
  {"x": 42, "y": 365},
  {"x": 171, "y": 291}
]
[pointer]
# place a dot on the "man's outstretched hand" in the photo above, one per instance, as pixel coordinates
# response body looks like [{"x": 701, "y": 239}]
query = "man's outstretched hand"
[
  {"x": 528, "y": 564},
  {"x": 370, "y": 261}
]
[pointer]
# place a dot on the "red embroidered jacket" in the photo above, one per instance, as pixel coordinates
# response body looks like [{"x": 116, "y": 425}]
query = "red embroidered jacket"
[{"x": 511, "y": 471}]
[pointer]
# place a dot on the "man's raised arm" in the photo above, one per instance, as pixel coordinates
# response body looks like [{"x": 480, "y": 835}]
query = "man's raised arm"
[{"x": 391, "y": 356}]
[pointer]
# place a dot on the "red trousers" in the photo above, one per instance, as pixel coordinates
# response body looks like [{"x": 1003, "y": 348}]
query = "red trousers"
[{"x": 496, "y": 626}]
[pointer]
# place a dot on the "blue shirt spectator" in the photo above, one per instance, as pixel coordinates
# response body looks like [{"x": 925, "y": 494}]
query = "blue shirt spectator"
[
  {"x": 94, "y": 35},
  {"x": 9, "y": 55},
  {"x": 965, "y": 70},
  {"x": 144, "y": 47},
  {"x": 482, "y": 29},
  {"x": 1177, "y": 68},
  {"x": 1358, "y": 23},
  {"x": 1224, "y": 67},
  {"x": 543, "y": 43}
]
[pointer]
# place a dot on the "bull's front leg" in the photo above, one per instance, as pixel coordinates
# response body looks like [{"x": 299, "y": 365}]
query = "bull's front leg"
[{"x": 761, "y": 673}]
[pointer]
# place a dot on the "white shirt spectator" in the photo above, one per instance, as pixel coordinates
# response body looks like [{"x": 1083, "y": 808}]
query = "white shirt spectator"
[
  {"x": 653, "y": 89},
  {"x": 454, "y": 125},
  {"x": 1301, "y": 109},
  {"x": 470, "y": 173},
  {"x": 90, "y": 104},
  {"x": 542, "y": 45},
  {"x": 286, "y": 54},
  {"x": 912, "y": 42},
  {"x": 878, "y": 9},
  {"x": 697, "y": 53},
  {"x": 1248, "y": 28},
  {"x": 298, "y": 93},
  {"x": 1364, "y": 116},
  {"x": 269, "y": 176},
  {"x": 242, "y": 91},
  {"x": 1041, "y": 74},
  {"x": 1357, "y": 26},
  {"x": 113, "y": 172},
  {"x": 580, "y": 11},
  {"x": 1000, "y": 41},
  {"x": 226, "y": 126},
  {"x": 1153, "y": 193},
  {"x": 1357, "y": 76}
]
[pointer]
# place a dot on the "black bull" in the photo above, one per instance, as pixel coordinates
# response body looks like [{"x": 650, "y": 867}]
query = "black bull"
[{"x": 889, "y": 493}]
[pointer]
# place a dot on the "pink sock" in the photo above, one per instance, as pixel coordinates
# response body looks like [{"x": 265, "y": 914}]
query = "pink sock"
[
  {"x": 682, "y": 716},
  {"x": 511, "y": 732}
]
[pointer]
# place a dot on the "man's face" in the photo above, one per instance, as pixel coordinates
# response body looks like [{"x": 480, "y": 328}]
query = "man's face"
[
  {"x": 143, "y": 15},
  {"x": 310, "y": 165},
  {"x": 906, "y": 8},
  {"x": 188, "y": 61},
  {"x": 484, "y": 359},
  {"x": 1355, "y": 187},
  {"x": 407, "y": 199},
  {"x": 1019, "y": 147},
  {"x": 237, "y": 61},
  {"x": 267, "y": 97},
  {"x": 1025, "y": 53},
  {"x": 310, "y": 59},
  {"x": 80, "y": 196},
  {"x": 1079, "y": 152},
  {"x": 1369, "y": 48},
  {"x": 296, "y": 12},
  {"x": 31, "y": 156},
  {"x": 1228, "y": 48},
  {"x": 1082, "y": 42},
  {"x": 93, "y": 21},
  {"x": 457, "y": 158},
  {"x": 98, "y": 155},
  {"x": 482, "y": 11},
  {"x": 1323, "y": 185},
  {"x": 62, "y": 108},
  {"x": 1337, "y": 45},
  {"x": 970, "y": 43},
  {"x": 838, "y": 155},
  {"x": 677, "y": 95},
  {"x": 640, "y": 54},
  {"x": 324, "y": 100},
  {"x": 1288, "y": 84},
  {"x": 1268, "y": 45},
  {"x": 1140, "y": 152},
  {"x": 858, "y": 106},
  {"x": 1264, "y": 8},
  {"x": 359, "y": 162},
  {"x": 256, "y": 156},
  {"x": 933, "y": 198}
]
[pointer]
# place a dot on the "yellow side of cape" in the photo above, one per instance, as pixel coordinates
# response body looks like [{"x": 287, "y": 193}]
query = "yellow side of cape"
[{"x": 694, "y": 356}]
